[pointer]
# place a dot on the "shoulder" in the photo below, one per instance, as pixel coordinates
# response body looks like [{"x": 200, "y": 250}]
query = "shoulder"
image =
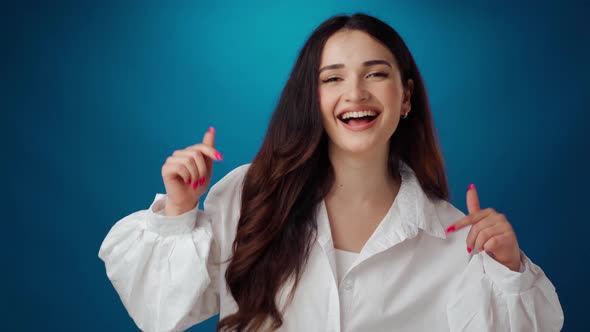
[
  {"x": 231, "y": 180},
  {"x": 455, "y": 242},
  {"x": 447, "y": 213},
  {"x": 228, "y": 189}
]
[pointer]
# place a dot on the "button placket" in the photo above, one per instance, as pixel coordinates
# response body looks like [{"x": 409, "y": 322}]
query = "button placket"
[
  {"x": 346, "y": 296},
  {"x": 347, "y": 284}
]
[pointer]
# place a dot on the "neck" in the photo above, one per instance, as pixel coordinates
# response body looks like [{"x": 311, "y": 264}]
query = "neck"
[{"x": 362, "y": 178}]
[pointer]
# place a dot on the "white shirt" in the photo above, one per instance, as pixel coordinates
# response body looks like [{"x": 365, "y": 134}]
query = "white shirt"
[
  {"x": 344, "y": 260},
  {"x": 409, "y": 276}
]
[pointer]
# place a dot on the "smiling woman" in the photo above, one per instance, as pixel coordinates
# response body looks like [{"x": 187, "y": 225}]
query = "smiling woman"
[
  {"x": 362, "y": 87},
  {"x": 341, "y": 222}
]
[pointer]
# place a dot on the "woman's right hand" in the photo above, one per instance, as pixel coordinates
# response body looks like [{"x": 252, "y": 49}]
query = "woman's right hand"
[{"x": 187, "y": 174}]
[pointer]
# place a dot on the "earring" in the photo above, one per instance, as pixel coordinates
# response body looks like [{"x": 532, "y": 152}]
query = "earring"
[{"x": 405, "y": 115}]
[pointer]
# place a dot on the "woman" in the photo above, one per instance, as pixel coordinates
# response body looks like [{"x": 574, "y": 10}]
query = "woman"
[{"x": 341, "y": 222}]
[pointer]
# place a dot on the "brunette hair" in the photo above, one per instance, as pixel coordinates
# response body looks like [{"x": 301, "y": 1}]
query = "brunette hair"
[{"x": 291, "y": 174}]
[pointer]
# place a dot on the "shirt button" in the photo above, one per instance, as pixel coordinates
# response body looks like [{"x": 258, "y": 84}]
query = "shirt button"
[{"x": 347, "y": 284}]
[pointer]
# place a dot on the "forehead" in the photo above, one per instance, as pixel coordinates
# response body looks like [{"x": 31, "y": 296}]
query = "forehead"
[{"x": 353, "y": 47}]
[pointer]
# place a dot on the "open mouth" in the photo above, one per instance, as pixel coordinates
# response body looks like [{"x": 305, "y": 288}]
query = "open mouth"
[{"x": 358, "y": 118}]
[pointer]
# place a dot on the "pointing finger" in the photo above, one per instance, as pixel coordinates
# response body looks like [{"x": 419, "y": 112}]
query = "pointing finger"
[
  {"x": 470, "y": 219},
  {"x": 472, "y": 199},
  {"x": 208, "y": 151},
  {"x": 209, "y": 138}
]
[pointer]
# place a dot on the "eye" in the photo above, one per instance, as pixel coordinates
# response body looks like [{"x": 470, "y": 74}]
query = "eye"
[
  {"x": 331, "y": 79},
  {"x": 378, "y": 74}
]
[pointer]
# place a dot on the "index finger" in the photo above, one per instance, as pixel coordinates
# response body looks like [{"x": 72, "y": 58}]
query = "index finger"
[
  {"x": 209, "y": 137},
  {"x": 470, "y": 219},
  {"x": 472, "y": 199}
]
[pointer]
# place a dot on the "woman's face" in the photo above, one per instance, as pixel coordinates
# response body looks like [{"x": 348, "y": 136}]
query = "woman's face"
[{"x": 361, "y": 93}]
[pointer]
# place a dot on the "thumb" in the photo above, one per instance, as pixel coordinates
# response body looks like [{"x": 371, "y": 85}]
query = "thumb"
[
  {"x": 472, "y": 199},
  {"x": 209, "y": 138}
]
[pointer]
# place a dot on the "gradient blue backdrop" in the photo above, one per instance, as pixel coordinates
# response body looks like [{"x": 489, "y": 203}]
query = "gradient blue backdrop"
[{"x": 97, "y": 95}]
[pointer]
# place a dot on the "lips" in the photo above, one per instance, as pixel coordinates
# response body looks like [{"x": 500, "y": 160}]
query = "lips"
[
  {"x": 359, "y": 118},
  {"x": 345, "y": 112}
]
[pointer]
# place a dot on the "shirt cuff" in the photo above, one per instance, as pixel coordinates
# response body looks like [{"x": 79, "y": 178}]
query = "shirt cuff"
[
  {"x": 509, "y": 281},
  {"x": 164, "y": 225}
]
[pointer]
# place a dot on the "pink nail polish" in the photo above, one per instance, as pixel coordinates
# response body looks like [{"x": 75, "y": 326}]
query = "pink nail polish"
[
  {"x": 188, "y": 182},
  {"x": 195, "y": 184},
  {"x": 212, "y": 130},
  {"x": 468, "y": 250},
  {"x": 451, "y": 229},
  {"x": 471, "y": 186},
  {"x": 218, "y": 156},
  {"x": 202, "y": 181}
]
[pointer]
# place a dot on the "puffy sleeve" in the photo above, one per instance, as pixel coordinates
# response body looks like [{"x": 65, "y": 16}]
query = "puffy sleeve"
[
  {"x": 163, "y": 268},
  {"x": 491, "y": 297}
]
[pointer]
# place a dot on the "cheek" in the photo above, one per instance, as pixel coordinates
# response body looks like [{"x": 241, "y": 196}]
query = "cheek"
[
  {"x": 391, "y": 93},
  {"x": 327, "y": 103}
]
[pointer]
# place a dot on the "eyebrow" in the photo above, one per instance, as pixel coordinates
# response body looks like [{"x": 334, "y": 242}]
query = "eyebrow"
[{"x": 365, "y": 64}]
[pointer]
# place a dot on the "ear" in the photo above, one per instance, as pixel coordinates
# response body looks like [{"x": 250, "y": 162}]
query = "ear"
[{"x": 407, "y": 99}]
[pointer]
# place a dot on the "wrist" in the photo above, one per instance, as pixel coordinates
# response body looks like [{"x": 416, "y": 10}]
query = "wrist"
[
  {"x": 514, "y": 267},
  {"x": 514, "y": 264}
]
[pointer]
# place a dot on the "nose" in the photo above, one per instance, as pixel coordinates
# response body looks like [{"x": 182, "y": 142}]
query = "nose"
[{"x": 356, "y": 91}]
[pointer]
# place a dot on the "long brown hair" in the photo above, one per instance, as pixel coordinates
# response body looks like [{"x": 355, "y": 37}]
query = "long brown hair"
[{"x": 291, "y": 174}]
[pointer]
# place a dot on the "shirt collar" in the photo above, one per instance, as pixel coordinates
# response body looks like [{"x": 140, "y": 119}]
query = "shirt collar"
[
  {"x": 412, "y": 208},
  {"x": 411, "y": 211}
]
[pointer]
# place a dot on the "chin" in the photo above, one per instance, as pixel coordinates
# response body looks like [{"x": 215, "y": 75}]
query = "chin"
[{"x": 357, "y": 147}]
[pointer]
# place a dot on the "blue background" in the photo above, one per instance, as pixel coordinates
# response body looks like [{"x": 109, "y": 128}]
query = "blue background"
[{"x": 95, "y": 96}]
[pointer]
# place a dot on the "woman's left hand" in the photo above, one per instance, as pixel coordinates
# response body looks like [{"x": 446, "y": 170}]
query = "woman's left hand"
[{"x": 490, "y": 231}]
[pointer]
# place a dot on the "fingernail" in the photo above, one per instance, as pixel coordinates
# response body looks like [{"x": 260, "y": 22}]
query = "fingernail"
[
  {"x": 218, "y": 156},
  {"x": 202, "y": 181},
  {"x": 451, "y": 229},
  {"x": 188, "y": 182},
  {"x": 195, "y": 184},
  {"x": 468, "y": 250},
  {"x": 212, "y": 130},
  {"x": 471, "y": 186}
]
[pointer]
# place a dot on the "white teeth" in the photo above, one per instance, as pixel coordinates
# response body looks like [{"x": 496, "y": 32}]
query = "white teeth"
[{"x": 357, "y": 114}]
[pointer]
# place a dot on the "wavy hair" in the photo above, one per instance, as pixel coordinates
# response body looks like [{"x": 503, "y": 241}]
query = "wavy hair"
[{"x": 291, "y": 174}]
